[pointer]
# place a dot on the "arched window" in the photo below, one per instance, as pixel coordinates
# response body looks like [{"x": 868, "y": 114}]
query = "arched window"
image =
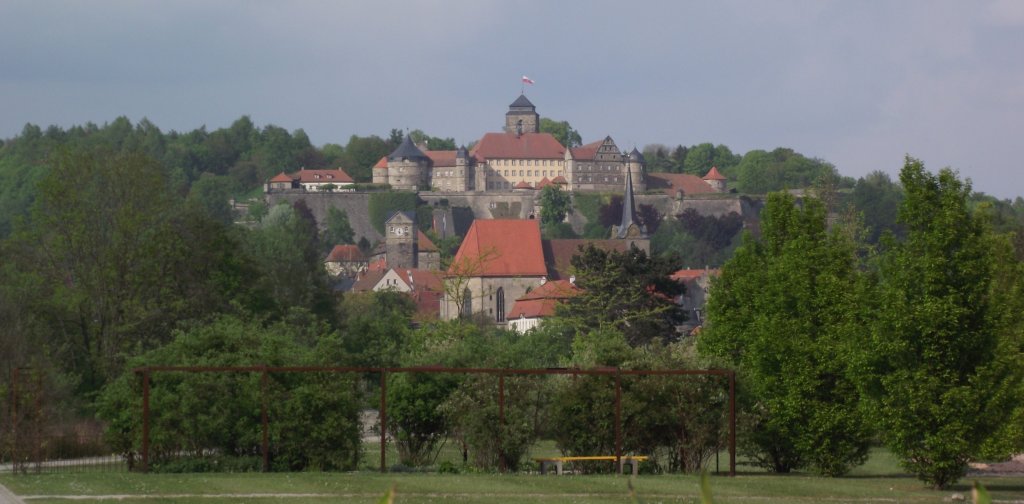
[
  {"x": 499, "y": 305},
  {"x": 467, "y": 303}
]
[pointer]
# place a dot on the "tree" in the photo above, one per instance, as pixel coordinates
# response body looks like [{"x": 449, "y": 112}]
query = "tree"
[
  {"x": 338, "y": 231},
  {"x": 555, "y": 205},
  {"x": 939, "y": 379},
  {"x": 432, "y": 143},
  {"x": 877, "y": 198},
  {"x": 627, "y": 291},
  {"x": 313, "y": 423},
  {"x": 562, "y": 132},
  {"x": 700, "y": 158},
  {"x": 211, "y": 194},
  {"x": 785, "y": 312}
]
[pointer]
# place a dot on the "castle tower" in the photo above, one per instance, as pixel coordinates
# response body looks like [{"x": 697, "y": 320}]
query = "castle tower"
[
  {"x": 522, "y": 117},
  {"x": 400, "y": 240},
  {"x": 635, "y": 166},
  {"x": 408, "y": 167},
  {"x": 467, "y": 179},
  {"x": 570, "y": 168},
  {"x": 715, "y": 179}
]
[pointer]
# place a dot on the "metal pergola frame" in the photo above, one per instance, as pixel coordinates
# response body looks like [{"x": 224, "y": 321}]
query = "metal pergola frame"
[{"x": 147, "y": 372}]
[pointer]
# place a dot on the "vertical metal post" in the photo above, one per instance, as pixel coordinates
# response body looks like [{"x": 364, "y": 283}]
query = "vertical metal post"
[
  {"x": 37, "y": 444},
  {"x": 383, "y": 418},
  {"x": 501, "y": 421},
  {"x": 145, "y": 420},
  {"x": 265, "y": 419},
  {"x": 732, "y": 423},
  {"x": 618, "y": 420},
  {"x": 14, "y": 420}
]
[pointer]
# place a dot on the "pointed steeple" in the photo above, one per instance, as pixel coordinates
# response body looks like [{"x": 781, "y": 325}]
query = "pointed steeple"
[{"x": 629, "y": 213}]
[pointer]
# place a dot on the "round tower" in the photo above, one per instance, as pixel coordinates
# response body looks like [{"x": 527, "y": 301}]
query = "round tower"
[
  {"x": 636, "y": 166},
  {"x": 715, "y": 179},
  {"x": 408, "y": 166},
  {"x": 570, "y": 176}
]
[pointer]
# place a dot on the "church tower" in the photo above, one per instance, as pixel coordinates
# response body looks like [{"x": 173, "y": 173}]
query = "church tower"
[
  {"x": 630, "y": 229},
  {"x": 522, "y": 117},
  {"x": 400, "y": 241}
]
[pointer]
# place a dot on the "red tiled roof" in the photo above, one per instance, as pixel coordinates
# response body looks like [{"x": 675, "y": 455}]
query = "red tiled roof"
[
  {"x": 500, "y": 248},
  {"x": 541, "y": 302},
  {"x": 368, "y": 280},
  {"x": 553, "y": 289},
  {"x": 559, "y": 180},
  {"x": 325, "y": 176},
  {"x": 424, "y": 243},
  {"x": 422, "y": 279},
  {"x": 345, "y": 253},
  {"x": 533, "y": 308},
  {"x": 524, "y": 185},
  {"x": 713, "y": 174},
  {"x": 672, "y": 182},
  {"x": 558, "y": 253},
  {"x": 378, "y": 265},
  {"x": 693, "y": 274},
  {"x": 281, "y": 177},
  {"x": 442, "y": 157},
  {"x": 586, "y": 152},
  {"x": 512, "y": 146},
  {"x": 544, "y": 182},
  {"x": 383, "y": 163}
]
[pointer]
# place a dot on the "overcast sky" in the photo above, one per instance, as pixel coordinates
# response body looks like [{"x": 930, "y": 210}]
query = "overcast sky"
[{"x": 857, "y": 83}]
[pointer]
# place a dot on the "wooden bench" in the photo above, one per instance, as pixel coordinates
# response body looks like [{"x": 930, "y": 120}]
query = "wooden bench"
[{"x": 633, "y": 461}]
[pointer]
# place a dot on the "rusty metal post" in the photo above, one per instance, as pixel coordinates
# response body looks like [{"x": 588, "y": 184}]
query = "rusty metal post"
[
  {"x": 618, "y": 420},
  {"x": 14, "y": 420},
  {"x": 145, "y": 420},
  {"x": 501, "y": 421},
  {"x": 383, "y": 419},
  {"x": 732, "y": 423},
  {"x": 37, "y": 445},
  {"x": 265, "y": 419}
]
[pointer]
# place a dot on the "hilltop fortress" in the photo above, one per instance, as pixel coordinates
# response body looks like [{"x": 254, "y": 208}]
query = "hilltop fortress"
[
  {"x": 519, "y": 158},
  {"x": 501, "y": 174}
]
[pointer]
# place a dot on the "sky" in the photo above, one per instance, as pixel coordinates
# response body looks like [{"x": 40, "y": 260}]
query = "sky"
[{"x": 859, "y": 84}]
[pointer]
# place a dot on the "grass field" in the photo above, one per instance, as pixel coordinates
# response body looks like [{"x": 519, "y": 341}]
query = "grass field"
[{"x": 877, "y": 481}]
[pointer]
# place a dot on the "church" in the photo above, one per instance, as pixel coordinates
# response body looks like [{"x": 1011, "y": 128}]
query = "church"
[{"x": 520, "y": 157}]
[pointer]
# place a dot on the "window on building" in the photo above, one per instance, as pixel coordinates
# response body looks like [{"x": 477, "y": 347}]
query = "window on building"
[
  {"x": 499, "y": 305},
  {"x": 467, "y": 303}
]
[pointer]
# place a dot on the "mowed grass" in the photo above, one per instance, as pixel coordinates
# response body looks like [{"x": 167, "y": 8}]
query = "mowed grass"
[{"x": 877, "y": 481}]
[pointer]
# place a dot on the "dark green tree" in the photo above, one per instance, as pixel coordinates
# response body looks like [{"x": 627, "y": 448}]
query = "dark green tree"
[
  {"x": 627, "y": 291},
  {"x": 877, "y": 198},
  {"x": 338, "y": 231},
  {"x": 786, "y": 312},
  {"x": 555, "y": 205},
  {"x": 562, "y": 131},
  {"x": 940, "y": 379}
]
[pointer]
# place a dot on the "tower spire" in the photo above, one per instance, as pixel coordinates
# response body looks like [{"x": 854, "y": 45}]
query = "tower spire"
[{"x": 629, "y": 212}]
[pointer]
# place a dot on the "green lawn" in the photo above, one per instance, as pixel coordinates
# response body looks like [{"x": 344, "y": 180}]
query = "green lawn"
[{"x": 878, "y": 481}]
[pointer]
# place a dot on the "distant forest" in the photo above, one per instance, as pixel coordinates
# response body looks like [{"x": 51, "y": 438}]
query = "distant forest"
[{"x": 235, "y": 161}]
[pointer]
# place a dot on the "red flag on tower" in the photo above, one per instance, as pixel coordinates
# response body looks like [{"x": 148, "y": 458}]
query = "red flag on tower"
[{"x": 527, "y": 80}]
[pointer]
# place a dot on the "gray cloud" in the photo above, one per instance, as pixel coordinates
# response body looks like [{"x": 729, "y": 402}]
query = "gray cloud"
[{"x": 859, "y": 84}]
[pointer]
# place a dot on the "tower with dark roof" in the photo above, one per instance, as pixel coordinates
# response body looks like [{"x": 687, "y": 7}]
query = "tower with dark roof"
[
  {"x": 522, "y": 117},
  {"x": 635, "y": 169},
  {"x": 408, "y": 167}
]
